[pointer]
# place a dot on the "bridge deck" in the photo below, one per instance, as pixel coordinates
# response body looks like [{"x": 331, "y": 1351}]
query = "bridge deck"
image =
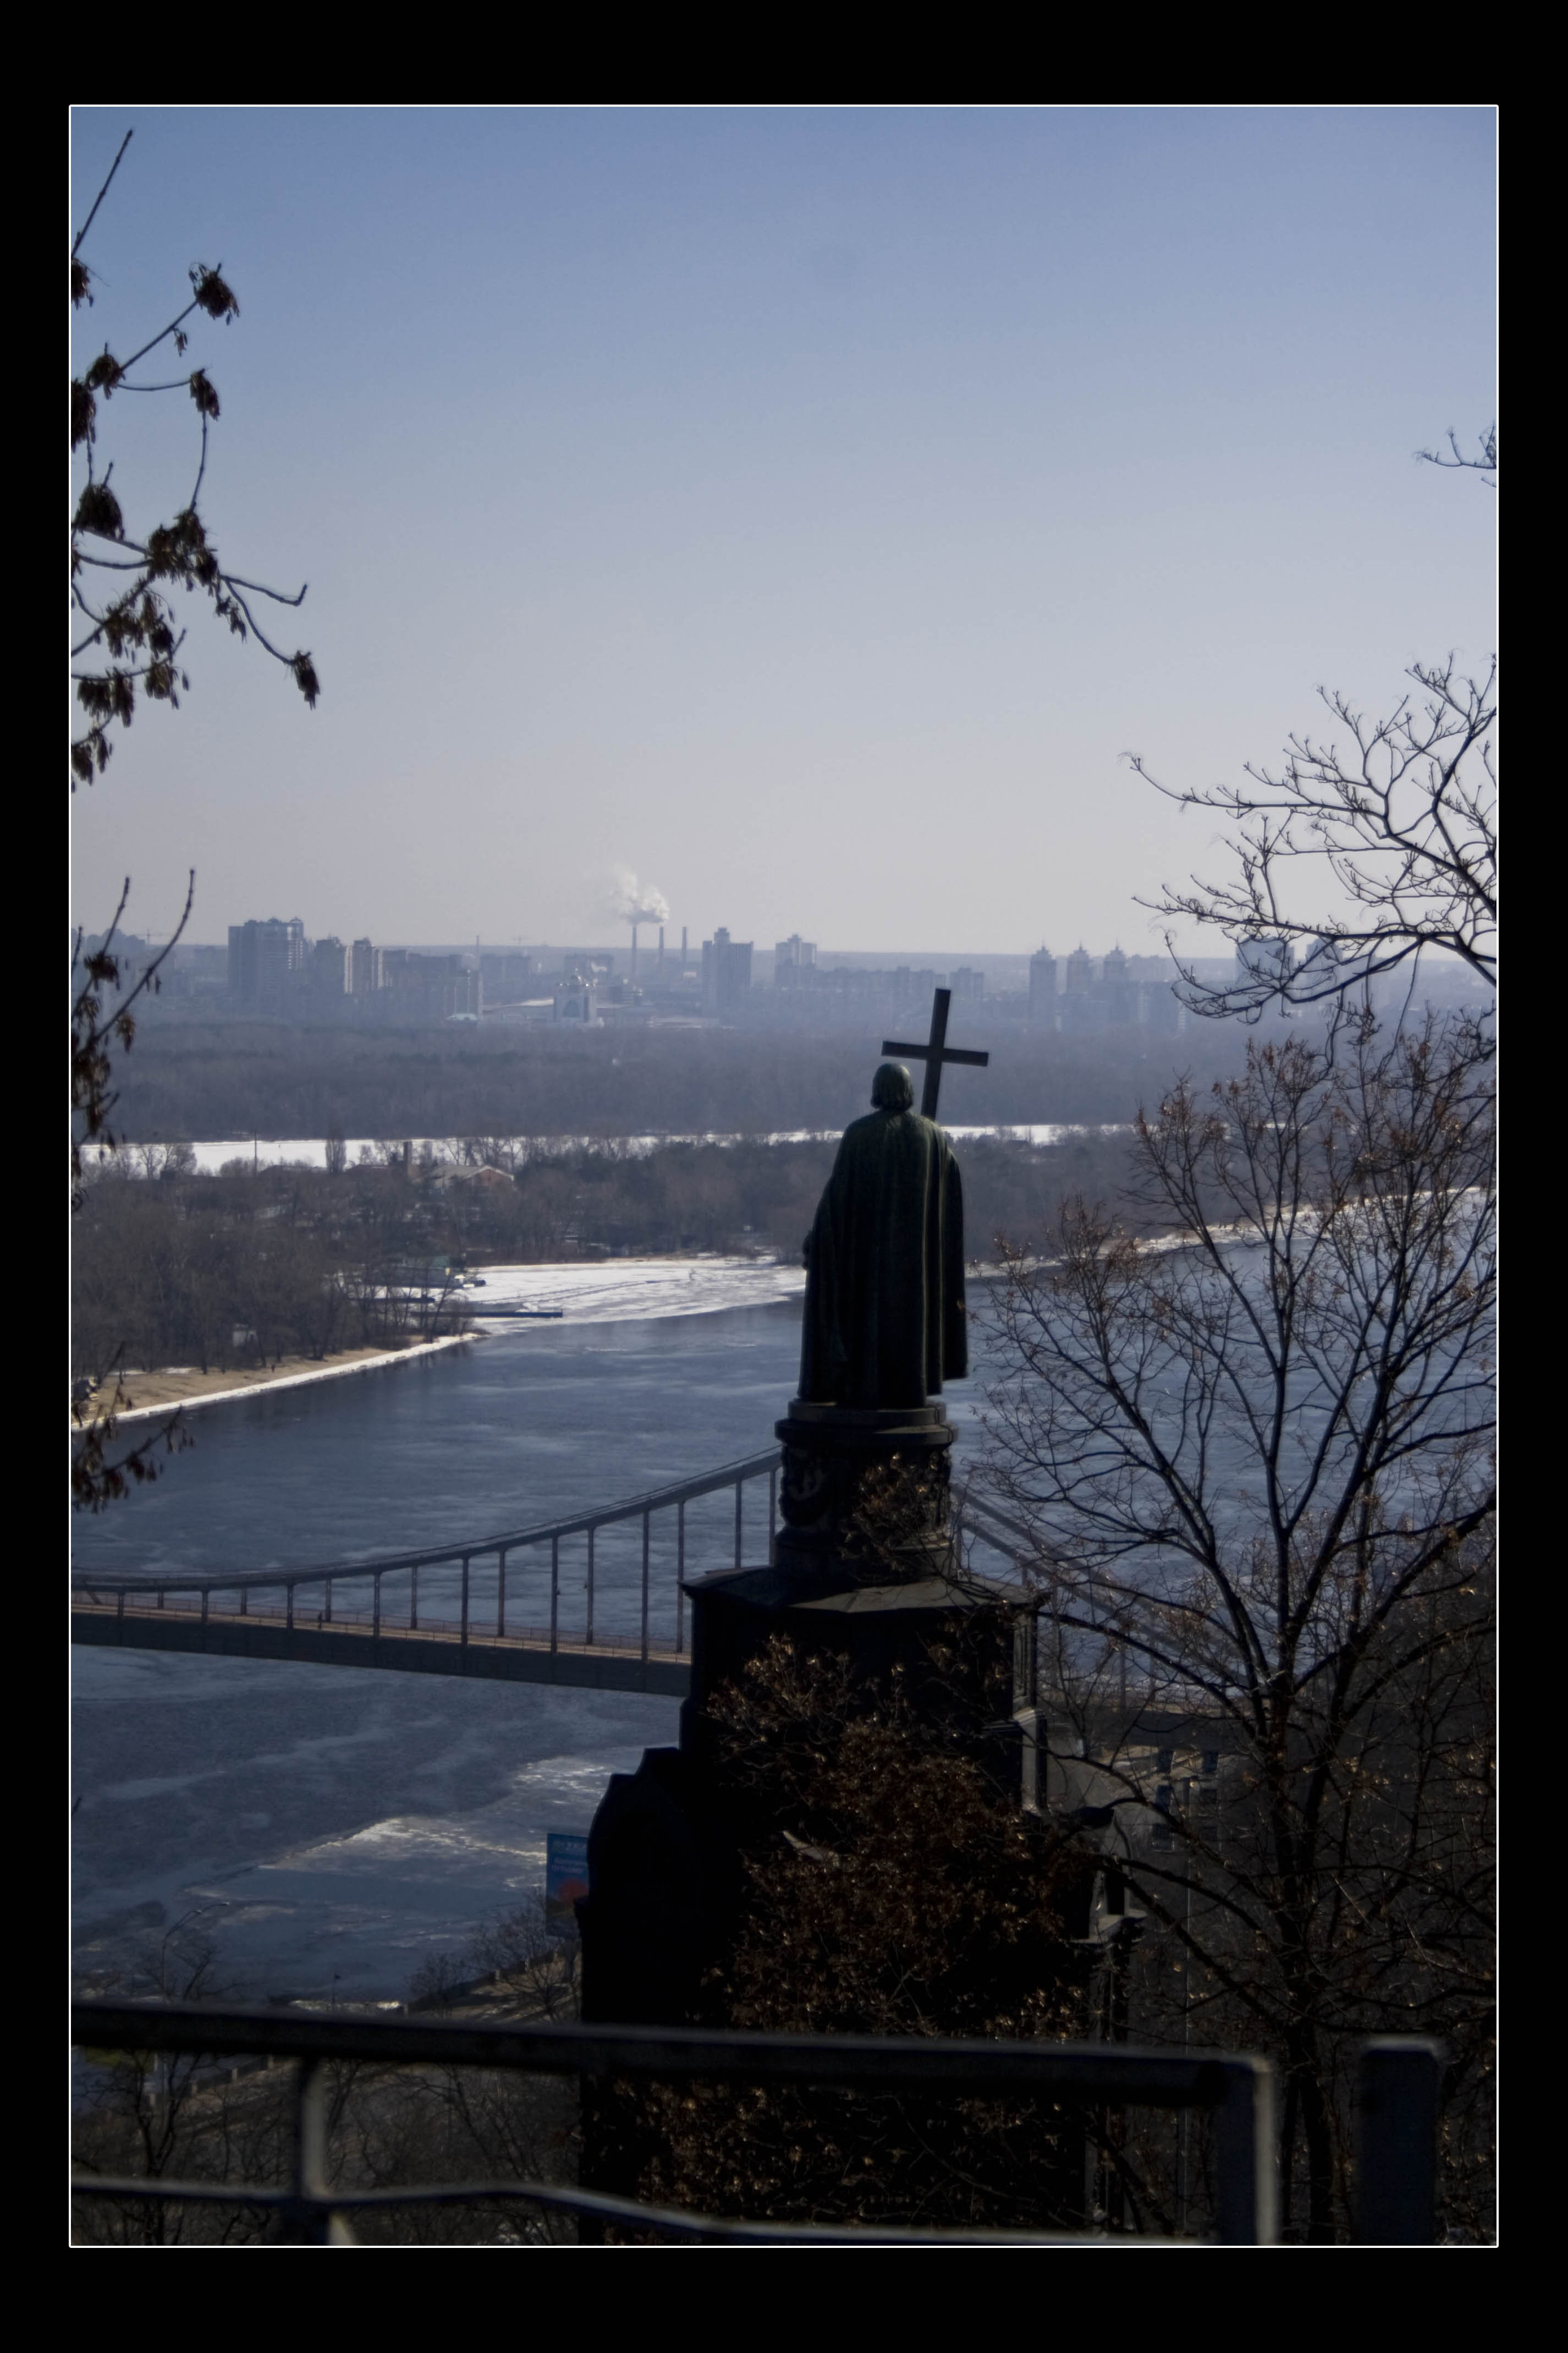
[{"x": 433, "y": 1648}]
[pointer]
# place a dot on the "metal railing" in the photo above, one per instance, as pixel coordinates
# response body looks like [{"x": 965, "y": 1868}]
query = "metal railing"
[
  {"x": 381, "y": 1598},
  {"x": 1235, "y": 2090}
]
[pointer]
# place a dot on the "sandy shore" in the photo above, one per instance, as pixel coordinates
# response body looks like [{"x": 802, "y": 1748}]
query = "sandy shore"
[{"x": 155, "y": 1393}]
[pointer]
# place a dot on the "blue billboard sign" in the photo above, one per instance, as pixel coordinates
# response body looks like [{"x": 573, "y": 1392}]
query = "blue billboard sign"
[{"x": 566, "y": 1877}]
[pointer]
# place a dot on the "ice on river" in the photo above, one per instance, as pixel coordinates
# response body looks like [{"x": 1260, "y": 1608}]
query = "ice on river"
[
  {"x": 276, "y": 1151},
  {"x": 323, "y": 1832},
  {"x": 611, "y": 1291}
]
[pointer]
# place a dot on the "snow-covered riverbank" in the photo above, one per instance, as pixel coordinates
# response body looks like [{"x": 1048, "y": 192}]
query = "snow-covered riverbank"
[{"x": 274, "y": 1152}]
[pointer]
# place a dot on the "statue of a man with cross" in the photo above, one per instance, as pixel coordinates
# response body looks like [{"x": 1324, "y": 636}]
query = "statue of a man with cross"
[{"x": 885, "y": 1323}]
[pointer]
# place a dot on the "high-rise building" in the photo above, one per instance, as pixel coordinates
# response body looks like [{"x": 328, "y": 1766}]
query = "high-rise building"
[
  {"x": 328, "y": 968},
  {"x": 967, "y": 982},
  {"x": 262, "y": 958},
  {"x": 726, "y": 974},
  {"x": 1043, "y": 990},
  {"x": 795, "y": 962},
  {"x": 1118, "y": 998},
  {"x": 366, "y": 969}
]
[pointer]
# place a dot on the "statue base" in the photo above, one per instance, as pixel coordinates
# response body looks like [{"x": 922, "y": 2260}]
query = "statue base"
[
  {"x": 865, "y": 1572},
  {"x": 864, "y": 1495}
]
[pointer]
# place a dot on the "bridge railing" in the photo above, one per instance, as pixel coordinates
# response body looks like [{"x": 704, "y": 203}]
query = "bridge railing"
[
  {"x": 477, "y": 1589},
  {"x": 525, "y": 1584}
]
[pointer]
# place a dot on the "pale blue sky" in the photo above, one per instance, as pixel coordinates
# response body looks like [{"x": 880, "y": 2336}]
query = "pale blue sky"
[{"x": 804, "y": 508}]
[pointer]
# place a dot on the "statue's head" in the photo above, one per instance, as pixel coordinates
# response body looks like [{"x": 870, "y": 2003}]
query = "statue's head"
[{"x": 892, "y": 1089}]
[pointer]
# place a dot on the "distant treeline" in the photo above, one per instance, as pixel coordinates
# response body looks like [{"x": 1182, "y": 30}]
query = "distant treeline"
[
  {"x": 197, "y": 1081},
  {"x": 175, "y": 1268}
]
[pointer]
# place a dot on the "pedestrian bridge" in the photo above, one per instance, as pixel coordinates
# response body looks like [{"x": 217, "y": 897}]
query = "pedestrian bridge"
[{"x": 595, "y": 1601}]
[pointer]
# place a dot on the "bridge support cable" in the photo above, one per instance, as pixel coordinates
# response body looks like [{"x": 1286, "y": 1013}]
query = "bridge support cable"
[{"x": 646, "y": 1542}]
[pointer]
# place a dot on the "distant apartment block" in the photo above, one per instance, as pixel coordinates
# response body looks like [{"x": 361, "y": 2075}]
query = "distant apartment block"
[
  {"x": 506, "y": 977},
  {"x": 366, "y": 972},
  {"x": 1116, "y": 991},
  {"x": 795, "y": 962},
  {"x": 726, "y": 974},
  {"x": 430, "y": 988},
  {"x": 263, "y": 958},
  {"x": 327, "y": 967},
  {"x": 273, "y": 968},
  {"x": 1043, "y": 990}
]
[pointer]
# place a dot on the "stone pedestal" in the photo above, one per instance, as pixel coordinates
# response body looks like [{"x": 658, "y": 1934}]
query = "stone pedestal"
[
  {"x": 864, "y": 1570},
  {"x": 864, "y": 1494}
]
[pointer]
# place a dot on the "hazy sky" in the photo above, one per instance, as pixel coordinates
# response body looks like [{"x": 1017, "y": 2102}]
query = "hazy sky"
[{"x": 803, "y": 508}]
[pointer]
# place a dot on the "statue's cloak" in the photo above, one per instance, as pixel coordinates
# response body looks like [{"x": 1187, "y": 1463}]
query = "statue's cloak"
[{"x": 885, "y": 1322}]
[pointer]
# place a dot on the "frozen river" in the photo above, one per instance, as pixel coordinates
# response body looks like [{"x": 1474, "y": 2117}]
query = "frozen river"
[{"x": 329, "y": 1828}]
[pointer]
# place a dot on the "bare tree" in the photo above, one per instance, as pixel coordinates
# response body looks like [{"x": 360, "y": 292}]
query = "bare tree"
[
  {"x": 120, "y": 588},
  {"x": 131, "y": 638},
  {"x": 1254, "y": 1457},
  {"x": 1390, "y": 823}
]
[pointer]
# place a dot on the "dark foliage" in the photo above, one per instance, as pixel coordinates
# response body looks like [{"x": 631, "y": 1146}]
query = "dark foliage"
[{"x": 891, "y": 1889}]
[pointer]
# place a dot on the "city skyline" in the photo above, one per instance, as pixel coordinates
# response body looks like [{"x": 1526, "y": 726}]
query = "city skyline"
[{"x": 825, "y": 500}]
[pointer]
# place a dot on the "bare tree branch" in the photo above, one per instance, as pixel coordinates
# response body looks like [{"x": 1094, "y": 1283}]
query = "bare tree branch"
[{"x": 1367, "y": 848}]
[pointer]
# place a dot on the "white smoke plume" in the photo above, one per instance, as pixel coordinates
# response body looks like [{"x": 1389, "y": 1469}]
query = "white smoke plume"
[{"x": 637, "y": 903}]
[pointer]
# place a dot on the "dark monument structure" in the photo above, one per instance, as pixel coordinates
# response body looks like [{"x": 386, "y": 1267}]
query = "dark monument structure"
[{"x": 864, "y": 1567}]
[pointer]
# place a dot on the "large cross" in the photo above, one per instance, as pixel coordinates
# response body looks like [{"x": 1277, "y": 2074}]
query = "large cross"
[{"x": 934, "y": 1052}]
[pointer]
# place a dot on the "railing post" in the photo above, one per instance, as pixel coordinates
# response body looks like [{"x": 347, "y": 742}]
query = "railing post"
[
  {"x": 119, "y": 1603},
  {"x": 310, "y": 2224},
  {"x": 376, "y": 1607},
  {"x": 646, "y": 1539},
  {"x": 414, "y": 1598},
  {"x": 500, "y": 1596},
  {"x": 554, "y": 1594},
  {"x": 245, "y": 1600},
  {"x": 680, "y": 1575},
  {"x": 289, "y": 1589},
  {"x": 1396, "y": 2170},
  {"x": 207, "y": 1596},
  {"x": 1244, "y": 2155},
  {"x": 739, "y": 1493},
  {"x": 463, "y": 1621},
  {"x": 588, "y": 1636},
  {"x": 328, "y": 1620}
]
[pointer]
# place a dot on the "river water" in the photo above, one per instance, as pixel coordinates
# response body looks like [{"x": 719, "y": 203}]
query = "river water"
[{"x": 327, "y": 1828}]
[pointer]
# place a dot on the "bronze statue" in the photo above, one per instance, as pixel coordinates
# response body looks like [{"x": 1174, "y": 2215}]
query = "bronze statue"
[{"x": 885, "y": 1322}]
